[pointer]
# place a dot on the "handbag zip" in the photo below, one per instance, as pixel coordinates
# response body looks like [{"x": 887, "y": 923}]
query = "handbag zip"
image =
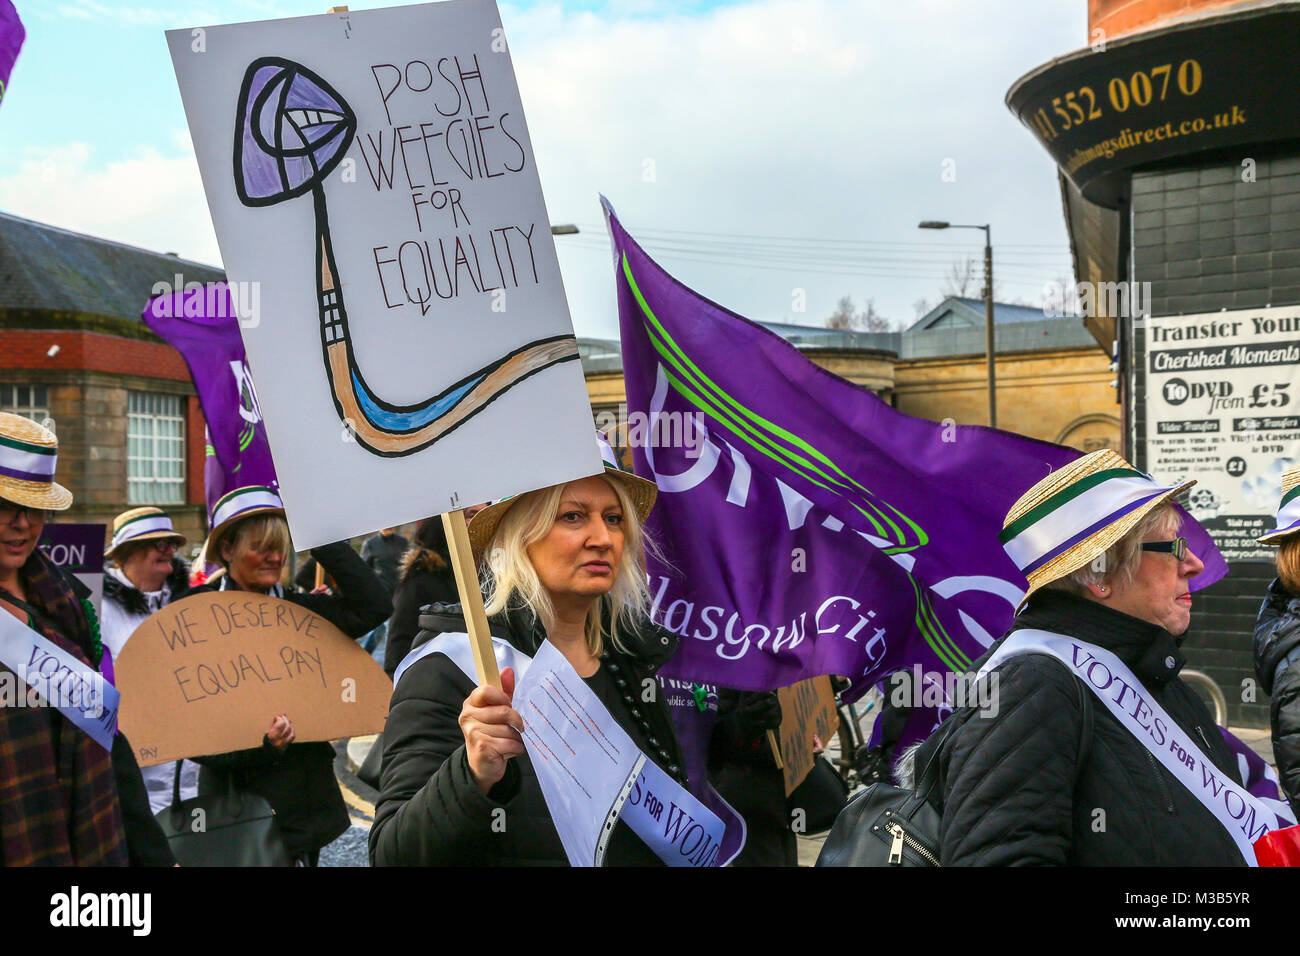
[
  {"x": 902, "y": 838},
  {"x": 1164, "y": 787}
]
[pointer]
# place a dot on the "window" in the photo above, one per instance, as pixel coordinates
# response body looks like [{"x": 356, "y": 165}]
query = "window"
[
  {"x": 155, "y": 454},
  {"x": 29, "y": 401}
]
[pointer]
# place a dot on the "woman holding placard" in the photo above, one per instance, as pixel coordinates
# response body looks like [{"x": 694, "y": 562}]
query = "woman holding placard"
[
  {"x": 251, "y": 539},
  {"x": 565, "y": 565}
]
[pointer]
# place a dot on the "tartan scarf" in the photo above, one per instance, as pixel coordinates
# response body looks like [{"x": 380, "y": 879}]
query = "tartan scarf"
[{"x": 58, "y": 797}]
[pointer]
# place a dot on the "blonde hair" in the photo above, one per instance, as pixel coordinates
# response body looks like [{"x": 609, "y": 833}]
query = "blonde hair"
[
  {"x": 1120, "y": 561},
  {"x": 510, "y": 581},
  {"x": 1288, "y": 563},
  {"x": 265, "y": 532}
]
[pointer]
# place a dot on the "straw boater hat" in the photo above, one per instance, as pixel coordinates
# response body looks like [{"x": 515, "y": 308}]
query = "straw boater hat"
[
  {"x": 1074, "y": 514},
  {"x": 235, "y": 506},
  {"x": 1288, "y": 509},
  {"x": 28, "y": 455},
  {"x": 142, "y": 524},
  {"x": 642, "y": 493}
]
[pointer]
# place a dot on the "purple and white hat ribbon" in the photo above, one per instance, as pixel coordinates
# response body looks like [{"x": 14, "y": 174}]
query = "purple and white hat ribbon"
[
  {"x": 1074, "y": 514},
  {"x": 607, "y": 452},
  {"x": 27, "y": 461},
  {"x": 1288, "y": 512},
  {"x": 242, "y": 500},
  {"x": 144, "y": 524}
]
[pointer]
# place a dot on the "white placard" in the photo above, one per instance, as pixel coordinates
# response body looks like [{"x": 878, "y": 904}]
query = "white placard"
[
  {"x": 410, "y": 340},
  {"x": 1223, "y": 407}
]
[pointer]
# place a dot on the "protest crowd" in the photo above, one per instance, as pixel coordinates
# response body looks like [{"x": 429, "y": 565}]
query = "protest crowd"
[
  {"x": 566, "y": 566},
  {"x": 577, "y": 649}
]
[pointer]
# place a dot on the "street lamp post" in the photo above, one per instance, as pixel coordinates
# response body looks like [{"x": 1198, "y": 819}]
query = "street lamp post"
[{"x": 988, "y": 307}]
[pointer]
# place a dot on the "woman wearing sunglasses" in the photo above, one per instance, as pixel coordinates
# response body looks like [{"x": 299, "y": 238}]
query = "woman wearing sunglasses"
[
  {"x": 1071, "y": 765},
  {"x": 64, "y": 799}
]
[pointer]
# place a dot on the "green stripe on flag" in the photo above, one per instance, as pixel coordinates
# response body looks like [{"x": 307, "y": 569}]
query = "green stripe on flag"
[
  {"x": 939, "y": 634},
  {"x": 663, "y": 344},
  {"x": 923, "y": 625},
  {"x": 722, "y": 395}
]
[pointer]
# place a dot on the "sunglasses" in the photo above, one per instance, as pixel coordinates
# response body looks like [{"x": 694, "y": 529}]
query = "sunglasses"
[
  {"x": 1177, "y": 547},
  {"x": 11, "y": 512}
]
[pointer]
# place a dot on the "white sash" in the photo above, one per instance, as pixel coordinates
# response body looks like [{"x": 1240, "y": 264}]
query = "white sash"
[
  {"x": 79, "y": 693},
  {"x": 455, "y": 645},
  {"x": 665, "y": 839},
  {"x": 1244, "y": 816}
]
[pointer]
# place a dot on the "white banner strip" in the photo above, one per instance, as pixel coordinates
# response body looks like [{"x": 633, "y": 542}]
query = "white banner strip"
[
  {"x": 63, "y": 682},
  {"x": 1288, "y": 516},
  {"x": 686, "y": 834},
  {"x": 237, "y": 504},
  {"x": 1244, "y": 816},
  {"x": 1082, "y": 512},
  {"x": 142, "y": 526},
  {"x": 30, "y": 462}
]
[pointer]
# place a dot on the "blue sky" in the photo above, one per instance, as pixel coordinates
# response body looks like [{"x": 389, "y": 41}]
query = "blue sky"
[{"x": 828, "y": 122}]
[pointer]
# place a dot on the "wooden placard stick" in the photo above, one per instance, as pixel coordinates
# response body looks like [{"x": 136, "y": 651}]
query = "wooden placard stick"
[
  {"x": 471, "y": 597},
  {"x": 776, "y": 749}
]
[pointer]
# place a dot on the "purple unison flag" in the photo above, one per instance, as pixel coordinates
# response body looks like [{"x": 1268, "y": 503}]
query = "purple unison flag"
[
  {"x": 807, "y": 527},
  {"x": 12, "y": 35},
  {"x": 202, "y": 324}
]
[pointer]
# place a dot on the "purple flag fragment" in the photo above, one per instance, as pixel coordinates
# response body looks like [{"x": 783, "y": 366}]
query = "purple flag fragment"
[
  {"x": 807, "y": 527},
  {"x": 203, "y": 325},
  {"x": 1259, "y": 778},
  {"x": 12, "y": 35}
]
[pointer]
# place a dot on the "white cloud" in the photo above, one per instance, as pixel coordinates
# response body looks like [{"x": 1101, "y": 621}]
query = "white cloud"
[
  {"x": 813, "y": 118},
  {"x": 147, "y": 199},
  {"x": 805, "y": 118}
]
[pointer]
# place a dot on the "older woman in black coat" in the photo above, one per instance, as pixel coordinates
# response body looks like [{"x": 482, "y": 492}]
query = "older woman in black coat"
[{"x": 251, "y": 539}]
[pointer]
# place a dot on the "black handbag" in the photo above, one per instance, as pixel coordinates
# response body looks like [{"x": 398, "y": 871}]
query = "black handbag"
[
  {"x": 889, "y": 826},
  {"x": 821, "y": 796},
  {"x": 228, "y": 828},
  {"x": 892, "y": 826}
]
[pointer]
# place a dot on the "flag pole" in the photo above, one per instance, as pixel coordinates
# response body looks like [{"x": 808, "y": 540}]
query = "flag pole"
[{"x": 471, "y": 597}]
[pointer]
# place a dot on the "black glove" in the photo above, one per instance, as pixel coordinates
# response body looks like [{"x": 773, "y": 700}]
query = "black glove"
[{"x": 757, "y": 713}]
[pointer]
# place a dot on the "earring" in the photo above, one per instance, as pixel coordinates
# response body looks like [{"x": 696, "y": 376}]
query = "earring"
[{"x": 1101, "y": 587}]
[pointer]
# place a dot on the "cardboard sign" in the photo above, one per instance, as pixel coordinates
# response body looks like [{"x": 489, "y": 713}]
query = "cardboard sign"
[
  {"x": 388, "y": 247},
  {"x": 207, "y": 674},
  {"x": 79, "y": 550},
  {"x": 807, "y": 708}
]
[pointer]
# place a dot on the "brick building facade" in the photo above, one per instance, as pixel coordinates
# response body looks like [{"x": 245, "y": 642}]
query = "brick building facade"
[{"x": 75, "y": 355}]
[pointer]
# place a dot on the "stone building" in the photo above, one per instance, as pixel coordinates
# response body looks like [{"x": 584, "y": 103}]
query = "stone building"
[
  {"x": 75, "y": 356},
  {"x": 1053, "y": 382}
]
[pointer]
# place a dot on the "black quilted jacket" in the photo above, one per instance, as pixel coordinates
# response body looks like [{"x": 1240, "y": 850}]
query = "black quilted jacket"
[
  {"x": 1010, "y": 792},
  {"x": 1277, "y": 637},
  {"x": 431, "y": 813}
]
